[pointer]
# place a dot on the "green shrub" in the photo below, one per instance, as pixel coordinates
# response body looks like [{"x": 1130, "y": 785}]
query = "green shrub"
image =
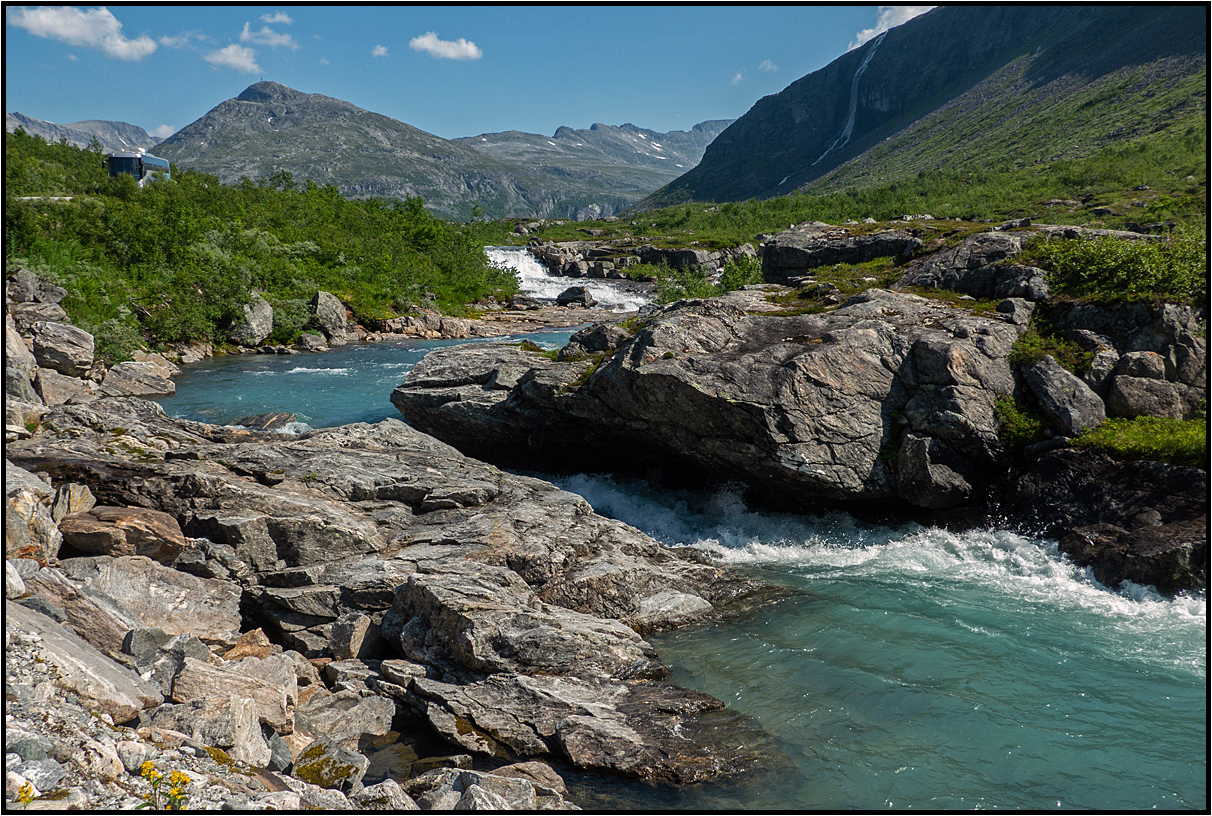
[
  {"x": 1019, "y": 423},
  {"x": 675, "y": 284},
  {"x": 1115, "y": 270},
  {"x": 741, "y": 271},
  {"x": 1032, "y": 346},
  {"x": 1178, "y": 441}
]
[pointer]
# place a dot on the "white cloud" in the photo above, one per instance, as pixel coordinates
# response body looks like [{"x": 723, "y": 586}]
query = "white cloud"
[
  {"x": 174, "y": 42},
  {"x": 235, "y": 56},
  {"x": 736, "y": 80},
  {"x": 273, "y": 19},
  {"x": 162, "y": 132},
  {"x": 379, "y": 51},
  {"x": 459, "y": 49},
  {"x": 888, "y": 17},
  {"x": 767, "y": 65},
  {"x": 324, "y": 62},
  {"x": 95, "y": 28},
  {"x": 267, "y": 36}
]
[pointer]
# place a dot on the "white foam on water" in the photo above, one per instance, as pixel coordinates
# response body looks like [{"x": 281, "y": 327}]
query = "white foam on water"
[
  {"x": 534, "y": 280},
  {"x": 1013, "y": 570},
  {"x": 305, "y": 370}
]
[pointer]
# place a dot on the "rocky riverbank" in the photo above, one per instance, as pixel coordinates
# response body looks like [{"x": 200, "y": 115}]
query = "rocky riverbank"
[
  {"x": 353, "y": 617},
  {"x": 884, "y": 400}
]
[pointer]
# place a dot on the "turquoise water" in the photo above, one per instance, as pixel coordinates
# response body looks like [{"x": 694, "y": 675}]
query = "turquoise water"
[
  {"x": 348, "y": 384},
  {"x": 909, "y": 667}
]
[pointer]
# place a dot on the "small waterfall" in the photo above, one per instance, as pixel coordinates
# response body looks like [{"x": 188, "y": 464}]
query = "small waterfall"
[
  {"x": 846, "y": 131},
  {"x": 535, "y": 280}
]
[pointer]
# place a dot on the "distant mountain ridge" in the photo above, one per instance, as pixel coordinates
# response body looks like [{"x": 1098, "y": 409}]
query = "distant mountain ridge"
[
  {"x": 115, "y": 137},
  {"x": 973, "y": 84},
  {"x": 270, "y": 128}
]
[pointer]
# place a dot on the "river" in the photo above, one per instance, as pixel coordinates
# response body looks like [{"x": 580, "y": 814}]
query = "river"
[{"x": 909, "y": 667}]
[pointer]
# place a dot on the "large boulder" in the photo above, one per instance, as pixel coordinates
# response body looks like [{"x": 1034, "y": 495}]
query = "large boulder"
[
  {"x": 124, "y": 531},
  {"x": 1071, "y": 405},
  {"x": 255, "y": 323},
  {"x": 807, "y": 409},
  {"x": 330, "y": 314},
  {"x": 1172, "y": 557},
  {"x": 29, "y": 527},
  {"x": 25, "y": 287},
  {"x": 63, "y": 347},
  {"x": 136, "y": 379},
  {"x": 796, "y": 252},
  {"x": 978, "y": 266}
]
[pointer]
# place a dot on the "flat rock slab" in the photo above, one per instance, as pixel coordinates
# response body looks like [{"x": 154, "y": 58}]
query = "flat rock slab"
[{"x": 103, "y": 686}]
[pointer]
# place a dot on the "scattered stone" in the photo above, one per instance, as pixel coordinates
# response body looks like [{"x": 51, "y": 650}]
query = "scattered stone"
[
  {"x": 63, "y": 347},
  {"x": 576, "y": 296}
]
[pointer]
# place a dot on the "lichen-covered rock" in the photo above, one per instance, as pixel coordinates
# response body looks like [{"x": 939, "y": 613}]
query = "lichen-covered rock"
[{"x": 328, "y": 765}]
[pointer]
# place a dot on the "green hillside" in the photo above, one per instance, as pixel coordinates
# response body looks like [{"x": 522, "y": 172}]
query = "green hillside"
[{"x": 175, "y": 261}]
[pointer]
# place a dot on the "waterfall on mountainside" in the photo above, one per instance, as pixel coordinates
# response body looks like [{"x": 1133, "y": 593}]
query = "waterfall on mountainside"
[{"x": 845, "y": 136}]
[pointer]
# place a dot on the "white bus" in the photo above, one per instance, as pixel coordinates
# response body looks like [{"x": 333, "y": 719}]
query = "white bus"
[{"x": 142, "y": 166}]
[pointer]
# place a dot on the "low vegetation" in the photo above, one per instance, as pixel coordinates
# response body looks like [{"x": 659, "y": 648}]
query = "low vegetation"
[
  {"x": 1178, "y": 441},
  {"x": 1111, "y": 270},
  {"x": 175, "y": 261},
  {"x": 676, "y": 284}
]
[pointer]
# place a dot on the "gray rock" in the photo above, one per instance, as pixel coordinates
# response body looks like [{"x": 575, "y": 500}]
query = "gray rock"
[
  {"x": 486, "y": 618},
  {"x": 174, "y": 601},
  {"x": 102, "y": 685},
  {"x": 1147, "y": 364},
  {"x": 14, "y": 587},
  {"x": 354, "y": 635},
  {"x": 228, "y": 721},
  {"x": 19, "y": 365},
  {"x": 801, "y": 408},
  {"x": 71, "y": 498},
  {"x": 43, "y": 774},
  {"x": 137, "y": 379},
  {"x": 1131, "y": 397},
  {"x": 1065, "y": 399},
  {"x": 930, "y": 474},
  {"x": 256, "y": 323},
  {"x": 387, "y": 795},
  {"x": 576, "y": 296},
  {"x": 1018, "y": 310},
  {"x": 797, "y": 251},
  {"x": 310, "y": 342},
  {"x": 272, "y": 688},
  {"x": 971, "y": 267},
  {"x": 25, "y": 286},
  {"x": 330, "y": 314},
  {"x": 95, "y": 616},
  {"x": 63, "y": 347},
  {"x": 346, "y": 717}
]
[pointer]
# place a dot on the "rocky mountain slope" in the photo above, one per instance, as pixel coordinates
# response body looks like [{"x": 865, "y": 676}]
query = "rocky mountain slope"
[
  {"x": 115, "y": 137},
  {"x": 270, "y": 128},
  {"x": 964, "y": 86}
]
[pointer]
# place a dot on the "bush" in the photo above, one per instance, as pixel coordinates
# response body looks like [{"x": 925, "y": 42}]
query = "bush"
[
  {"x": 1032, "y": 346},
  {"x": 1115, "y": 270},
  {"x": 741, "y": 271}
]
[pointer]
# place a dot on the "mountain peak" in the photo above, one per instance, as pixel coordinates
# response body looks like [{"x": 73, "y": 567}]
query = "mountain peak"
[{"x": 266, "y": 91}]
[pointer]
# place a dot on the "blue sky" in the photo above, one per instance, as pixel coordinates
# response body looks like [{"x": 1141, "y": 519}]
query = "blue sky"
[{"x": 450, "y": 70}]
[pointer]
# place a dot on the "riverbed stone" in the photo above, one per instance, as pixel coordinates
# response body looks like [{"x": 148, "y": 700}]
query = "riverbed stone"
[{"x": 137, "y": 379}]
